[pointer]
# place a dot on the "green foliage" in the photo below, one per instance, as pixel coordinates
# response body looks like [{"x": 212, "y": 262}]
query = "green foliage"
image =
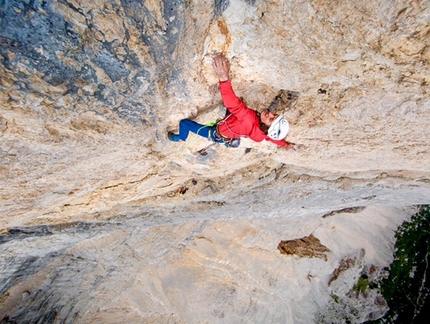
[
  {"x": 407, "y": 288},
  {"x": 361, "y": 285}
]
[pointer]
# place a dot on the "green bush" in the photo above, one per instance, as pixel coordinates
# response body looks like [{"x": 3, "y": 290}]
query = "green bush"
[
  {"x": 407, "y": 288},
  {"x": 361, "y": 285}
]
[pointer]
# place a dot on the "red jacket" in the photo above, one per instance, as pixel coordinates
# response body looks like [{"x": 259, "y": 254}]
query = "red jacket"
[{"x": 243, "y": 122}]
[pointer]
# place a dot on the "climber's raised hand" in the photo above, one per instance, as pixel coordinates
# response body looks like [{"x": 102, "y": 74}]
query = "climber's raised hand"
[
  {"x": 221, "y": 67},
  {"x": 291, "y": 147}
]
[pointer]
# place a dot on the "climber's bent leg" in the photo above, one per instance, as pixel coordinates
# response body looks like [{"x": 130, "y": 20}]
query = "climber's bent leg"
[{"x": 187, "y": 125}]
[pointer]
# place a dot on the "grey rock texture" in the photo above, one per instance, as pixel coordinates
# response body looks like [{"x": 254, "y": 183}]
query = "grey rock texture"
[{"x": 103, "y": 220}]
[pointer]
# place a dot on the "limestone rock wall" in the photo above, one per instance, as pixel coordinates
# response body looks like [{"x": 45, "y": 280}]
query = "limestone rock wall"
[{"x": 89, "y": 88}]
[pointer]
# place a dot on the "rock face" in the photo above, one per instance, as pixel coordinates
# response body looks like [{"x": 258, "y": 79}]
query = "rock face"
[
  {"x": 104, "y": 221},
  {"x": 306, "y": 247}
]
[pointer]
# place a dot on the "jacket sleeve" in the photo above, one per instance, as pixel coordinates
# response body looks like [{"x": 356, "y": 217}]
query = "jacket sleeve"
[
  {"x": 231, "y": 101},
  {"x": 281, "y": 143}
]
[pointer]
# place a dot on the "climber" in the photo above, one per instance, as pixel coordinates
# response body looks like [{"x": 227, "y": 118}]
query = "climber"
[{"x": 240, "y": 121}]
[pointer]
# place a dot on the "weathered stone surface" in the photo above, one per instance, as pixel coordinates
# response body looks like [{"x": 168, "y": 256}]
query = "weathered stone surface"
[
  {"x": 305, "y": 247},
  {"x": 187, "y": 268},
  {"x": 88, "y": 89},
  {"x": 373, "y": 122}
]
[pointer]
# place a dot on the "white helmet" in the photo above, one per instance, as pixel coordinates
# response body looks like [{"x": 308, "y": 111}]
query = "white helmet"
[{"x": 279, "y": 128}]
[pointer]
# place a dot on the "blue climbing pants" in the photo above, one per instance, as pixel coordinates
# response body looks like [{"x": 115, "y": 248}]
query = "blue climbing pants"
[{"x": 186, "y": 126}]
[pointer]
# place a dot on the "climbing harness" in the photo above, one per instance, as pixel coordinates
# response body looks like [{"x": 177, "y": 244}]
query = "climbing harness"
[
  {"x": 219, "y": 138},
  {"x": 215, "y": 135}
]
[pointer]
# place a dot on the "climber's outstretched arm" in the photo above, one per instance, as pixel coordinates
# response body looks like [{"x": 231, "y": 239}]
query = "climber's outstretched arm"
[{"x": 236, "y": 106}]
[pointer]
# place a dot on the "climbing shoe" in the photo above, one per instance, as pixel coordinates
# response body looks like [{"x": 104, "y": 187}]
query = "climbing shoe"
[{"x": 173, "y": 137}]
